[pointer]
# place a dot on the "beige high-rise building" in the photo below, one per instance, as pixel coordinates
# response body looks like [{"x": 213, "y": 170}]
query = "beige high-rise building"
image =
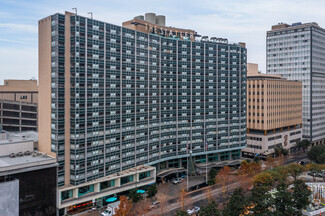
[
  {"x": 18, "y": 105},
  {"x": 274, "y": 112}
]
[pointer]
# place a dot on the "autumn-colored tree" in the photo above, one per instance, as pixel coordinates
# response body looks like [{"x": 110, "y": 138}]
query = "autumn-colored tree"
[
  {"x": 270, "y": 162},
  {"x": 295, "y": 170},
  {"x": 162, "y": 196},
  {"x": 124, "y": 207},
  {"x": 263, "y": 179},
  {"x": 208, "y": 194},
  {"x": 279, "y": 174},
  {"x": 182, "y": 198},
  {"x": 223, "y": 178},
  {"x": 315, "y": 169},
  {"x": 244, "y": 181},
  {"x": 140, "y": 208},
  {"x": 244, "y": 168},
  {"x": 255, "y": 168}
]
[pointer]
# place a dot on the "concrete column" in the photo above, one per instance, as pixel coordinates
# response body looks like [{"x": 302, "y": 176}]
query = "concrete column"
[
  {"x": 75, "y": 193},
  {"x": 97, "y": 187},
  {"x": 118, "y": 182},
  {"x": 136, "y": 177}
]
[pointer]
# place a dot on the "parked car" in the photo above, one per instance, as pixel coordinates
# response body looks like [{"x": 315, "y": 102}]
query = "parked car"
[
  {"x": 154, "y": 204},
  {"x": 195, "y": 209},
  {"x": 106, "y": 213},
  {"x": 315, "y": 174},
  {"x": 177, "y": 180}
]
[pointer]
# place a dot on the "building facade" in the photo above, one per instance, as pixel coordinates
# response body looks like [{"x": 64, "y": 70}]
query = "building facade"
[
  {"x": 297, "y": 52},
  {"x": 18, "y": 105},
  {"x": 120, "y": 99},
  {"x": 18, "y": 116},
  {"x": 20, "y": 91},
  {"x": 274, "y": 113}
]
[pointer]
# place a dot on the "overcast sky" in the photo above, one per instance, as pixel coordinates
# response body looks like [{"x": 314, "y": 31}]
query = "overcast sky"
[{"x": 238, "y": 20}]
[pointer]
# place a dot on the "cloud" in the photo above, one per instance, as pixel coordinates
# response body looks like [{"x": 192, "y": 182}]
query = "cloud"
[
  {"x": 238, "y": 20},
  {"x": 14, "y": 27},
  {"x": 19, "y": 63}
]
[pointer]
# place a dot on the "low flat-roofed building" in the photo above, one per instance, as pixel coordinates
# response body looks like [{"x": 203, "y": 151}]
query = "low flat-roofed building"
[
  {"x": 27, "y": 178},
  {"x": 274, "y": 113}
]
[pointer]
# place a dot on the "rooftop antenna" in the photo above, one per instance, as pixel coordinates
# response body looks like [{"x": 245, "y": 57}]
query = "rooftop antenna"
[
  {"x": 75, "y": 10},
  {"x": 91, "y": 14}
]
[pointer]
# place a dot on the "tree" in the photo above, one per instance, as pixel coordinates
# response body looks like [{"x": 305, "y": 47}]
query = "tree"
[
  {"x": 303, "y": 145},
  {"x": 264, "y": 179},
  {"x": 208, "y": 194},
  {"x": 181, "y": 213},
  {"x": 124, "y": 207},
  {"x": 301, "y": 195},
  {"x": 280, "y": 151},
  {"x": 295, "y": 170},
  {"x": 152, "y": 190},
  {"x": 191, "y": 166},
  {"x": 315, "y": 169},
  {"x": 279, "y": 174},
  {"x": 283, "y": 201},
  {"x": 211, "y": 176},
  {"x": 254, "y": 167},
  {"x": 136, "y": 197},
  {"x": 161, "y": 196},
  {"x": 237, "y": 203},
  {"x": 270, "y": 162},
  {"x": 317, "y": 154},
  {"x": 261, "y": 200},
  {"x": 140, "y": 208},
  {"x": 211, "y": 209},
  {"x": 182, "y": 198},
  {"x": 223, "y": 178}
]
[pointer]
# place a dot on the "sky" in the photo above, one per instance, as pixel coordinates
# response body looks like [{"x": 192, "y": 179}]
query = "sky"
[{"x": 237, "y": 20}]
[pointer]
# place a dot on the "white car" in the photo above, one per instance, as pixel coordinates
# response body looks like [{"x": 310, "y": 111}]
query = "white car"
[
  {"x": 177, "y": 180},
  {"x": 195, "y": 209},
  {"x": 105, "y": 213}
]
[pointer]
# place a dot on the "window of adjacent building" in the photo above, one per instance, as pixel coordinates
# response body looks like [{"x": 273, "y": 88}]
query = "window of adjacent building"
[
  {"x": 66, "y": 194},
  {"x": 127, "y": 179},
  {"x": 85, "y": 190}
]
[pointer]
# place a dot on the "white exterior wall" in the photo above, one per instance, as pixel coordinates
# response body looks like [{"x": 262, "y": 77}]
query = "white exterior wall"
[{"x": 266, "y": 147}]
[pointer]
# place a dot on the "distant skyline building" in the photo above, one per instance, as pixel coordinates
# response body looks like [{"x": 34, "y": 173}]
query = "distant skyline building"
[
  {"x": 274, "y": 113},
  {"x": 120, "y": 104},
  {"x": 297, "y": 52}
]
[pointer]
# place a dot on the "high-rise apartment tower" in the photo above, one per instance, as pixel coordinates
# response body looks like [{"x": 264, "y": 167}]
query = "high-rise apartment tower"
[
  {"x": 118, "y": 104},
  {"x": 297, "y": 52}
]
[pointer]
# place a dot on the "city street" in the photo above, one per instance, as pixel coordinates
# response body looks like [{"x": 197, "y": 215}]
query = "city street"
[{"x": 198, "y": 197}]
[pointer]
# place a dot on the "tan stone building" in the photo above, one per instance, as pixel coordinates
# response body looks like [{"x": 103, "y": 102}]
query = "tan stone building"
[
  {"x": 18, "y": 105},
  {"x": 274, "y": 112},
  {"x": 20, "y": 91}
]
